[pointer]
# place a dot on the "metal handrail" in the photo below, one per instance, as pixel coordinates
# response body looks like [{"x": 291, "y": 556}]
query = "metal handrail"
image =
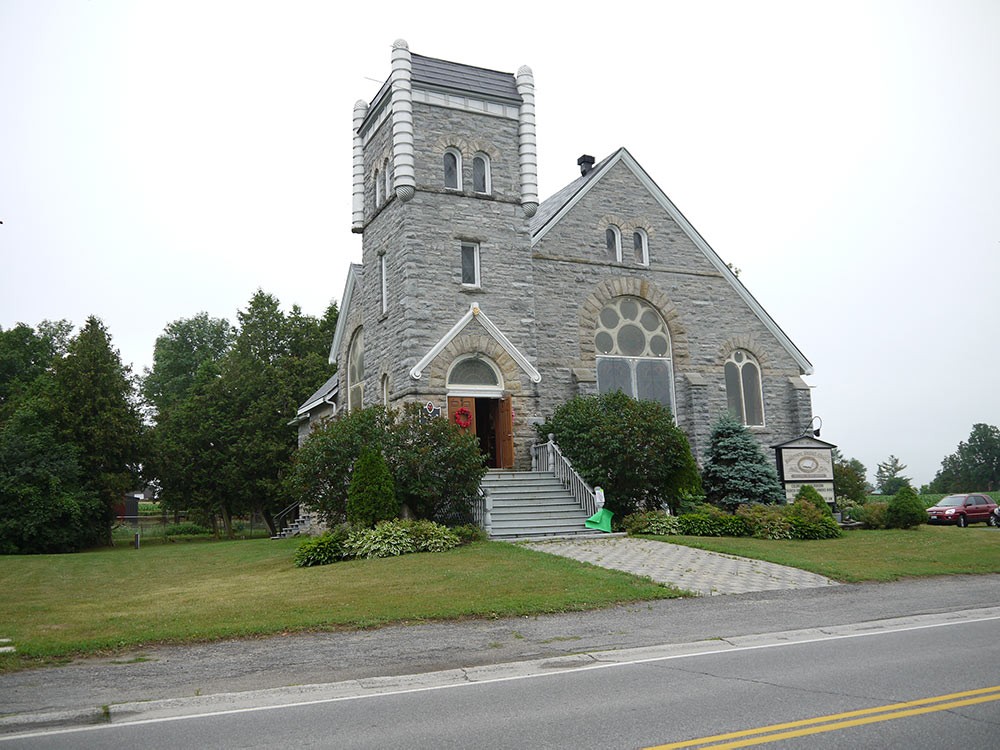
[
  {"x": 278, "y": 518},
  {"x": 548, "y": 457}
]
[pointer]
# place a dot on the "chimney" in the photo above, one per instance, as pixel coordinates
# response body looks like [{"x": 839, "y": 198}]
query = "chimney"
[{"x": 586, "y": 163}]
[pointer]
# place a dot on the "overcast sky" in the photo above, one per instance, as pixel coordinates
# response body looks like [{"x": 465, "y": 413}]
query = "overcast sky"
[{"x": 158, "y": 159}]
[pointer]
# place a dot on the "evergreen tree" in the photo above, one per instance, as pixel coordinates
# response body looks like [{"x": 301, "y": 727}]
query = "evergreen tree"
[
  {"x": 849, "y": 478},
  {"x": 905, "y": 510},
  {"x": 370, "y": 496},
  {"x": 736, "y": 470},
  {"x": 889, "y": 478}
]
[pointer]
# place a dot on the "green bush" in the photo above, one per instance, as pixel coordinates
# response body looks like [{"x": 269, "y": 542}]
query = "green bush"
[
  {"x": 809, "y": 522},
  {"x": 387, "y": 539},
  {"x": 905, "y": 510},
  {"x": 709, "y": 524},
  {"x": 324, "y": 549},
  {"x": 186, "y": 528},
  {"x": 371, "y": 496},
  {"x": 431, "y": 537},
  {"x": 766, "y": 521},
  {"x": 809, "y": 493},
  {"x": 651, "y": 522},
  {"x": 874, "y": 514},
  {"x": 632, "y": 449}
]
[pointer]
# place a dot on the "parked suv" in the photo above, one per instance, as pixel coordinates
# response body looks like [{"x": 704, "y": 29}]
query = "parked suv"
[{"x": 963, "y": 510}]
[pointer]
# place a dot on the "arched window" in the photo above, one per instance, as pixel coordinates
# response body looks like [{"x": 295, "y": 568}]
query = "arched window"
[
  {"x": 385, "y": 391},
  {"x": 453, "y": 169},
  {"x": 743, "y": 388},
  {"x": 613, "y": 239},
  {"x": 633, "y": 351},
  {"x": 474, "y": 375},
  {"x": 356, "y": 372},
  {"x": 640, "y": 242},
  {"x": 378, "y": 189},
  {"x": 387, "y": 171},
  {"x": 481, "y": 179}
]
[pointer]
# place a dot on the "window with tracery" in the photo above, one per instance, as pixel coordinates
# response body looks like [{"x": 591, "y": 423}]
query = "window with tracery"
[{"x": 743, "y": 388}]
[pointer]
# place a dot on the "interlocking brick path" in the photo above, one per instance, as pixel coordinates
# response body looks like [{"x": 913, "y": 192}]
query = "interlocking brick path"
[{"x": 704, "y": 573}]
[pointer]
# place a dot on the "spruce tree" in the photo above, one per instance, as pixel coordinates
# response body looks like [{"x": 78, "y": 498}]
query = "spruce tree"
[
  {"x": 736, "y": 469},
  {"x": 371, "y": 496}
]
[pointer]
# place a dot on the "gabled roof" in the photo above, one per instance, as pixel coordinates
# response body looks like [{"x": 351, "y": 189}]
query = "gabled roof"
[
  {"x": 354, "y": 276},
  {"x": 323, "y": 394},
  {"x": 551, "y": 211}
]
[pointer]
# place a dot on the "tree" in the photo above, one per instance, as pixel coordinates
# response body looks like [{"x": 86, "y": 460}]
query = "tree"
[
  {"x": 26, "y": 354},
  {"x": 631, "y": 449},
  {"x": 736, "y": 469},
  {"x": 371, "y": 496},
  {"x": 850, "y": 478},
  {"x": 96, "y": 412},
  {"x": 888, "y": 477},
  {"x": 975, "y": 466}
]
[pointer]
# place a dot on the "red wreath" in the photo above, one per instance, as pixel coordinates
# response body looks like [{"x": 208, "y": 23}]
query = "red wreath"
[{"x": 463, "y": 417}]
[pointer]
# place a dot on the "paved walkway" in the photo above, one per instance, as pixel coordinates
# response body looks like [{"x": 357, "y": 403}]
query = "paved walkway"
[{"x": 705, "y": 573}]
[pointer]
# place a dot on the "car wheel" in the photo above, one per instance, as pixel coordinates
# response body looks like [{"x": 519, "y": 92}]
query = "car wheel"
[
  {"x": 991, "y": 520},
  {"x": 962, "y": 522}
]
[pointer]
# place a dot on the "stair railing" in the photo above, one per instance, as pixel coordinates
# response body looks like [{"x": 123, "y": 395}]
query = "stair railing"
[
  {"x": 548, "y": 457},
  {"x": 482, "y": 510},
  {"x": 279, "y": 519}
]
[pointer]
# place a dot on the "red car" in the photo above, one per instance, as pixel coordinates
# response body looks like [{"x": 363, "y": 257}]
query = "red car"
[{"x": 963, "y": 510}]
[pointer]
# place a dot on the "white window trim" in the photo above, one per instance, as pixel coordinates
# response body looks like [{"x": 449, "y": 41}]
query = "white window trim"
[
  {"x": 478, "y": 280},
  {"x": 644, "y": 238},
  {"x": 475, "y": 391},
  {"x": 618, "y": 241},
  {"x": 378, "y": 188},
  {"x": 384, "y": 290},
  {"x": 387, "y": 175},
  {"x": 489, "y": 174},
  {"x": 458, "y": 168}
]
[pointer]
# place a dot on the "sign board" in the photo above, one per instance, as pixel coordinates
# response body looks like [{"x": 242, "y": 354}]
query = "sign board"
[{"x": 806, "y": 460}]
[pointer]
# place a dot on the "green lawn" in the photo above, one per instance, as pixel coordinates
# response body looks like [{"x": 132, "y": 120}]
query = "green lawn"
[
  {"x": 872, "y": 555},
  {"x": 55, "y": 606}
]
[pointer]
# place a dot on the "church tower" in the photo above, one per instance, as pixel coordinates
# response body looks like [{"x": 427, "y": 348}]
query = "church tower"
[{"x": 441, "y": 310}]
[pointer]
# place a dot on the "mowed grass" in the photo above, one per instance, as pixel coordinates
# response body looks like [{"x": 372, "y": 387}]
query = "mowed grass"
[
  {"x": 55, "y": 606},
  {"x": 872, "y": 555}
]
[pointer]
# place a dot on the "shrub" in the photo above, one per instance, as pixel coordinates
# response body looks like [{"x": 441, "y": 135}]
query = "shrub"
[
  {"x": 370, "y": 496},
  {"x": 186, "y": 528},
  {"x": 468, "y": 533},
  {"x": 651, "y": 522},
  {"x": 809, "y": 522},
  {"x": 387, "y": 539},
  {"x": 766, "y": 521},
  {"x": 874, "y": 514},
  {"x": 709, "y": 524},
  {"x": 810, "y": 494},
  {"x": 431, "y": 537},
  {"x": 736, "y": 470},
  {"x": 324, "y": 549},
  {"x": 632, "y": 449},
  {"x": 905, "y": 510}
]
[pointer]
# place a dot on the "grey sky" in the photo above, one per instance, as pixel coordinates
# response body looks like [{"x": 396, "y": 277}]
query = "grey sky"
[{"x": 162, "y": 158}]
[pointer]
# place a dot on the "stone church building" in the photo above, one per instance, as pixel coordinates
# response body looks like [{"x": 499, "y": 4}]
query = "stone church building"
[{"x": 477, "y": 299}]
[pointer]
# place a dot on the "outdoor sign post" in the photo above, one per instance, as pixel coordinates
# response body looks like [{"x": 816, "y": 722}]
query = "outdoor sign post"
[{"x": 806, "y": 460}]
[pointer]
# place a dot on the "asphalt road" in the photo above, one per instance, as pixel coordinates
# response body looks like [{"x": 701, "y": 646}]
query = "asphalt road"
[
  {"x": 928, "y": 682},
  {"x": 84, "y": 687}
]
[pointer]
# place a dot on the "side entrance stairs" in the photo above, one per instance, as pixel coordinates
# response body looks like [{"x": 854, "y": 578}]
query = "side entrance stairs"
[
  {"x": 532, "y": 504},
  {"x": 299, "y": 526}
]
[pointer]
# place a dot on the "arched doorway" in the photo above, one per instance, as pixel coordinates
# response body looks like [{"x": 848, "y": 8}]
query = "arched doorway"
[{"x": 478, "y": 404}]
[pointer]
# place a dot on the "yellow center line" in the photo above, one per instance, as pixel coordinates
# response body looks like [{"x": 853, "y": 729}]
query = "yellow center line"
[{"x": 804, "y": 727}]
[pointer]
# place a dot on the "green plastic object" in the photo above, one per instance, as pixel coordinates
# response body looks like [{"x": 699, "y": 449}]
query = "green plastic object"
[{"x": 601, "y": 520}]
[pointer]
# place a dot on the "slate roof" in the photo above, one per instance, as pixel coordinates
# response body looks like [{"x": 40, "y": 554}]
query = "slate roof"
[
  {"x": 324, "y": 392},
  {"x": 548, "y": 208}
]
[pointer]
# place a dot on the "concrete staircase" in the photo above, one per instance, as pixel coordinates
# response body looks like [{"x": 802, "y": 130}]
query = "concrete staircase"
[
  {"x": 532, "y": 504},
  {"x": 300, "y": 525}
]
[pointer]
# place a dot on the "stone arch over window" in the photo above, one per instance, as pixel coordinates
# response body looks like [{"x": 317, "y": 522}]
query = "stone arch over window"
[
  {"x": 472, "y": 344},
  {"x": 452, "y": 165},
  {"x": 743, "y": 388},
  {"x": 482, "y": 179},
  {"x": 473, "y": 375},
  {"x": 631, "y": 287},
  {"x": 356, "y": 371},
  {"x": 633, "y": 352}
]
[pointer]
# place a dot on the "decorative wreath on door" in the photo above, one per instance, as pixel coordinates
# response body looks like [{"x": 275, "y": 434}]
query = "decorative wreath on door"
[{"x": 463, "y": 417}]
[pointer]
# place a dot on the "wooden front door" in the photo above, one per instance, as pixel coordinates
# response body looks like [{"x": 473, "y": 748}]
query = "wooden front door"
[
  {"x": 505, "y": 433},
  {"x": 463, "y": 402}
]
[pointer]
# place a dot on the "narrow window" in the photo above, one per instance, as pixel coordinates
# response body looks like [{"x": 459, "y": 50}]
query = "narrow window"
[
  {"x": 640, "y": 241},
  {"x": 385, "y": 391},
  {"x": 743, "y": 388},
  {"x": 378, "y": 189},
  {"x": 356, "y": 372},
  {"x": 382, "y": 280},
  {"x": 452, "y": 169},
  {"x": 470, "y": 264},
  {"x": 387, "y": 171},
  {"x": 613, "y": 238},
  {"x": 481, "y": 174}
]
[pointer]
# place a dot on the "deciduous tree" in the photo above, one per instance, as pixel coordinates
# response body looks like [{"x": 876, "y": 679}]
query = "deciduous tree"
[{"x": 888, "y": 478}]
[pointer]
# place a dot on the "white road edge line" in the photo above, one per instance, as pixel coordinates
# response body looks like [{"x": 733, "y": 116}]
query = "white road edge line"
[{"x": 534, "y": 675}]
